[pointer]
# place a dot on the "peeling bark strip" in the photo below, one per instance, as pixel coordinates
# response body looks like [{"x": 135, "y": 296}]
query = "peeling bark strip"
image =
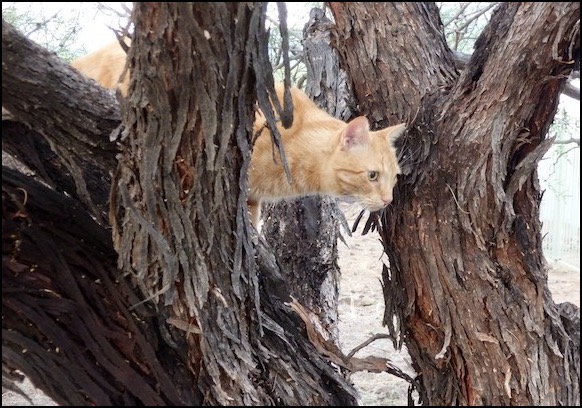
[{"x": 468, "y": 281}]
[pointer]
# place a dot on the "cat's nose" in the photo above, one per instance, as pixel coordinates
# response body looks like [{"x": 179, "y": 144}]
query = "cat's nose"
[{"x": 386, "y": 200}]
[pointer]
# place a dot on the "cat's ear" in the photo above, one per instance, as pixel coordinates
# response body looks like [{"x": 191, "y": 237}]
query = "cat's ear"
[
  {"x": 392, "y": 133},
  {"x": 357, "y": 133}
]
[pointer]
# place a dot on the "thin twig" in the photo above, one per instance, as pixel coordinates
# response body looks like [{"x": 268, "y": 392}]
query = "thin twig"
[
  {"x": 456, "y": 202},
  {"x": 375, "y": 337}
]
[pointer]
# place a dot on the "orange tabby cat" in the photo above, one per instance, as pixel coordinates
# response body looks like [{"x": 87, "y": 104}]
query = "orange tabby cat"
[
  {"x": 325, "y": 155},
  {"x": 106, "y": 65}
]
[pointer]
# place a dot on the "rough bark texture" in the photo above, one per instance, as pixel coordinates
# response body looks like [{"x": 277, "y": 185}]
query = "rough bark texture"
[
  {"x": 176, "y": 191},
  {"x": 468, "y": 281},
  {"x": 183, "y": 232},
  {"x": 467, "y": 284},
  {"x": 221, "y": 328},
  {"x": 74, "y": 115},
  {"x": 66, "y": 322},
  {"x": 385, "y": 43},
  {"x": 303, "y": 232}
]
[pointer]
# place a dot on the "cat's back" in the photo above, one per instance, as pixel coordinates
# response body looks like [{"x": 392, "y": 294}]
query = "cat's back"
[
  {"x": 303, "y": 106},
  {"x": 308, "y": 119},
  {"x": 104, "y": 65}
]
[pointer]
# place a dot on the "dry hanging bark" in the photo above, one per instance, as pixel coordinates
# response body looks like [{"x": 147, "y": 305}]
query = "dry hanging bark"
[{"x": 468, "y": 281}]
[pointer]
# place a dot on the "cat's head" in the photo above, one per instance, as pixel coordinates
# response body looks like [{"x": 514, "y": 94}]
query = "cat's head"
[{"x": 365, "y": 164}]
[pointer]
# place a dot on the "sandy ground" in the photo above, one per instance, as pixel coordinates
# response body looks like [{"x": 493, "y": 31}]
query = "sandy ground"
[{"x": 361, "y": 309}]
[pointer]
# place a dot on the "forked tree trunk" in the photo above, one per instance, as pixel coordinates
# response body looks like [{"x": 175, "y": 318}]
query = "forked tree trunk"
[
  {"x": 468, "y": 280},
  {"x": 467, "y": 284}
]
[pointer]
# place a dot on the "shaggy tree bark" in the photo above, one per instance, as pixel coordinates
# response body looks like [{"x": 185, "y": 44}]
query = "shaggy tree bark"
[
  {"x": 182, "y": 230},
  {"x": 468, "y": 280},
  {"x": 202, "y": 323},
  {"x": 66, "y": 319},
  {"x": 207, "y": 318}
]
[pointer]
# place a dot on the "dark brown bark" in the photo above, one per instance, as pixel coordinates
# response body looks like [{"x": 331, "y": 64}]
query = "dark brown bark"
[
  {"x": 468, "y": 281},
  {"x": 74, "y": 116},
  {"x": 66, "y": 319}
]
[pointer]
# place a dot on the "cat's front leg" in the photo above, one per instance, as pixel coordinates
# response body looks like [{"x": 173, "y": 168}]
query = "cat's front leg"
[{"x": 254, "y": 212}]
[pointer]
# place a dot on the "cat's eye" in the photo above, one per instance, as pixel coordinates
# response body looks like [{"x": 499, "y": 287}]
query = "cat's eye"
[{"x": 372, "y": 175}]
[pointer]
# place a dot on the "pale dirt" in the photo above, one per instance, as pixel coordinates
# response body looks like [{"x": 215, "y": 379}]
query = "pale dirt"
[{"x": 361, "y": 309}]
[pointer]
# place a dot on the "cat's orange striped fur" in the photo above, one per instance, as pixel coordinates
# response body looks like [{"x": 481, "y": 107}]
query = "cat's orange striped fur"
[
  {"x": 325, "y": 155},
  {"x": 106, "y": 65}
]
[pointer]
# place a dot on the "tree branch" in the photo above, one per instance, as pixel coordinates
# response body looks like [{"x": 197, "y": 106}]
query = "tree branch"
[
  {"x": 65, "y": 322},
  {"x": 461, "y": 61},
  {"x": 73, "y": 114},
  {"x": 477, "y": 14}
]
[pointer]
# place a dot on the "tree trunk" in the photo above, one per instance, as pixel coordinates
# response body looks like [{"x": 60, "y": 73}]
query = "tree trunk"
[
  {"x": 183, "y": 232},
  {"x": 177, "y": 190},
  {"x": 467, "y": 282}
]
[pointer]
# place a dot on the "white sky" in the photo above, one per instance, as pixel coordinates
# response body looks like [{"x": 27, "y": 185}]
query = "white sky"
[{"x": 94, "y": 24}]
